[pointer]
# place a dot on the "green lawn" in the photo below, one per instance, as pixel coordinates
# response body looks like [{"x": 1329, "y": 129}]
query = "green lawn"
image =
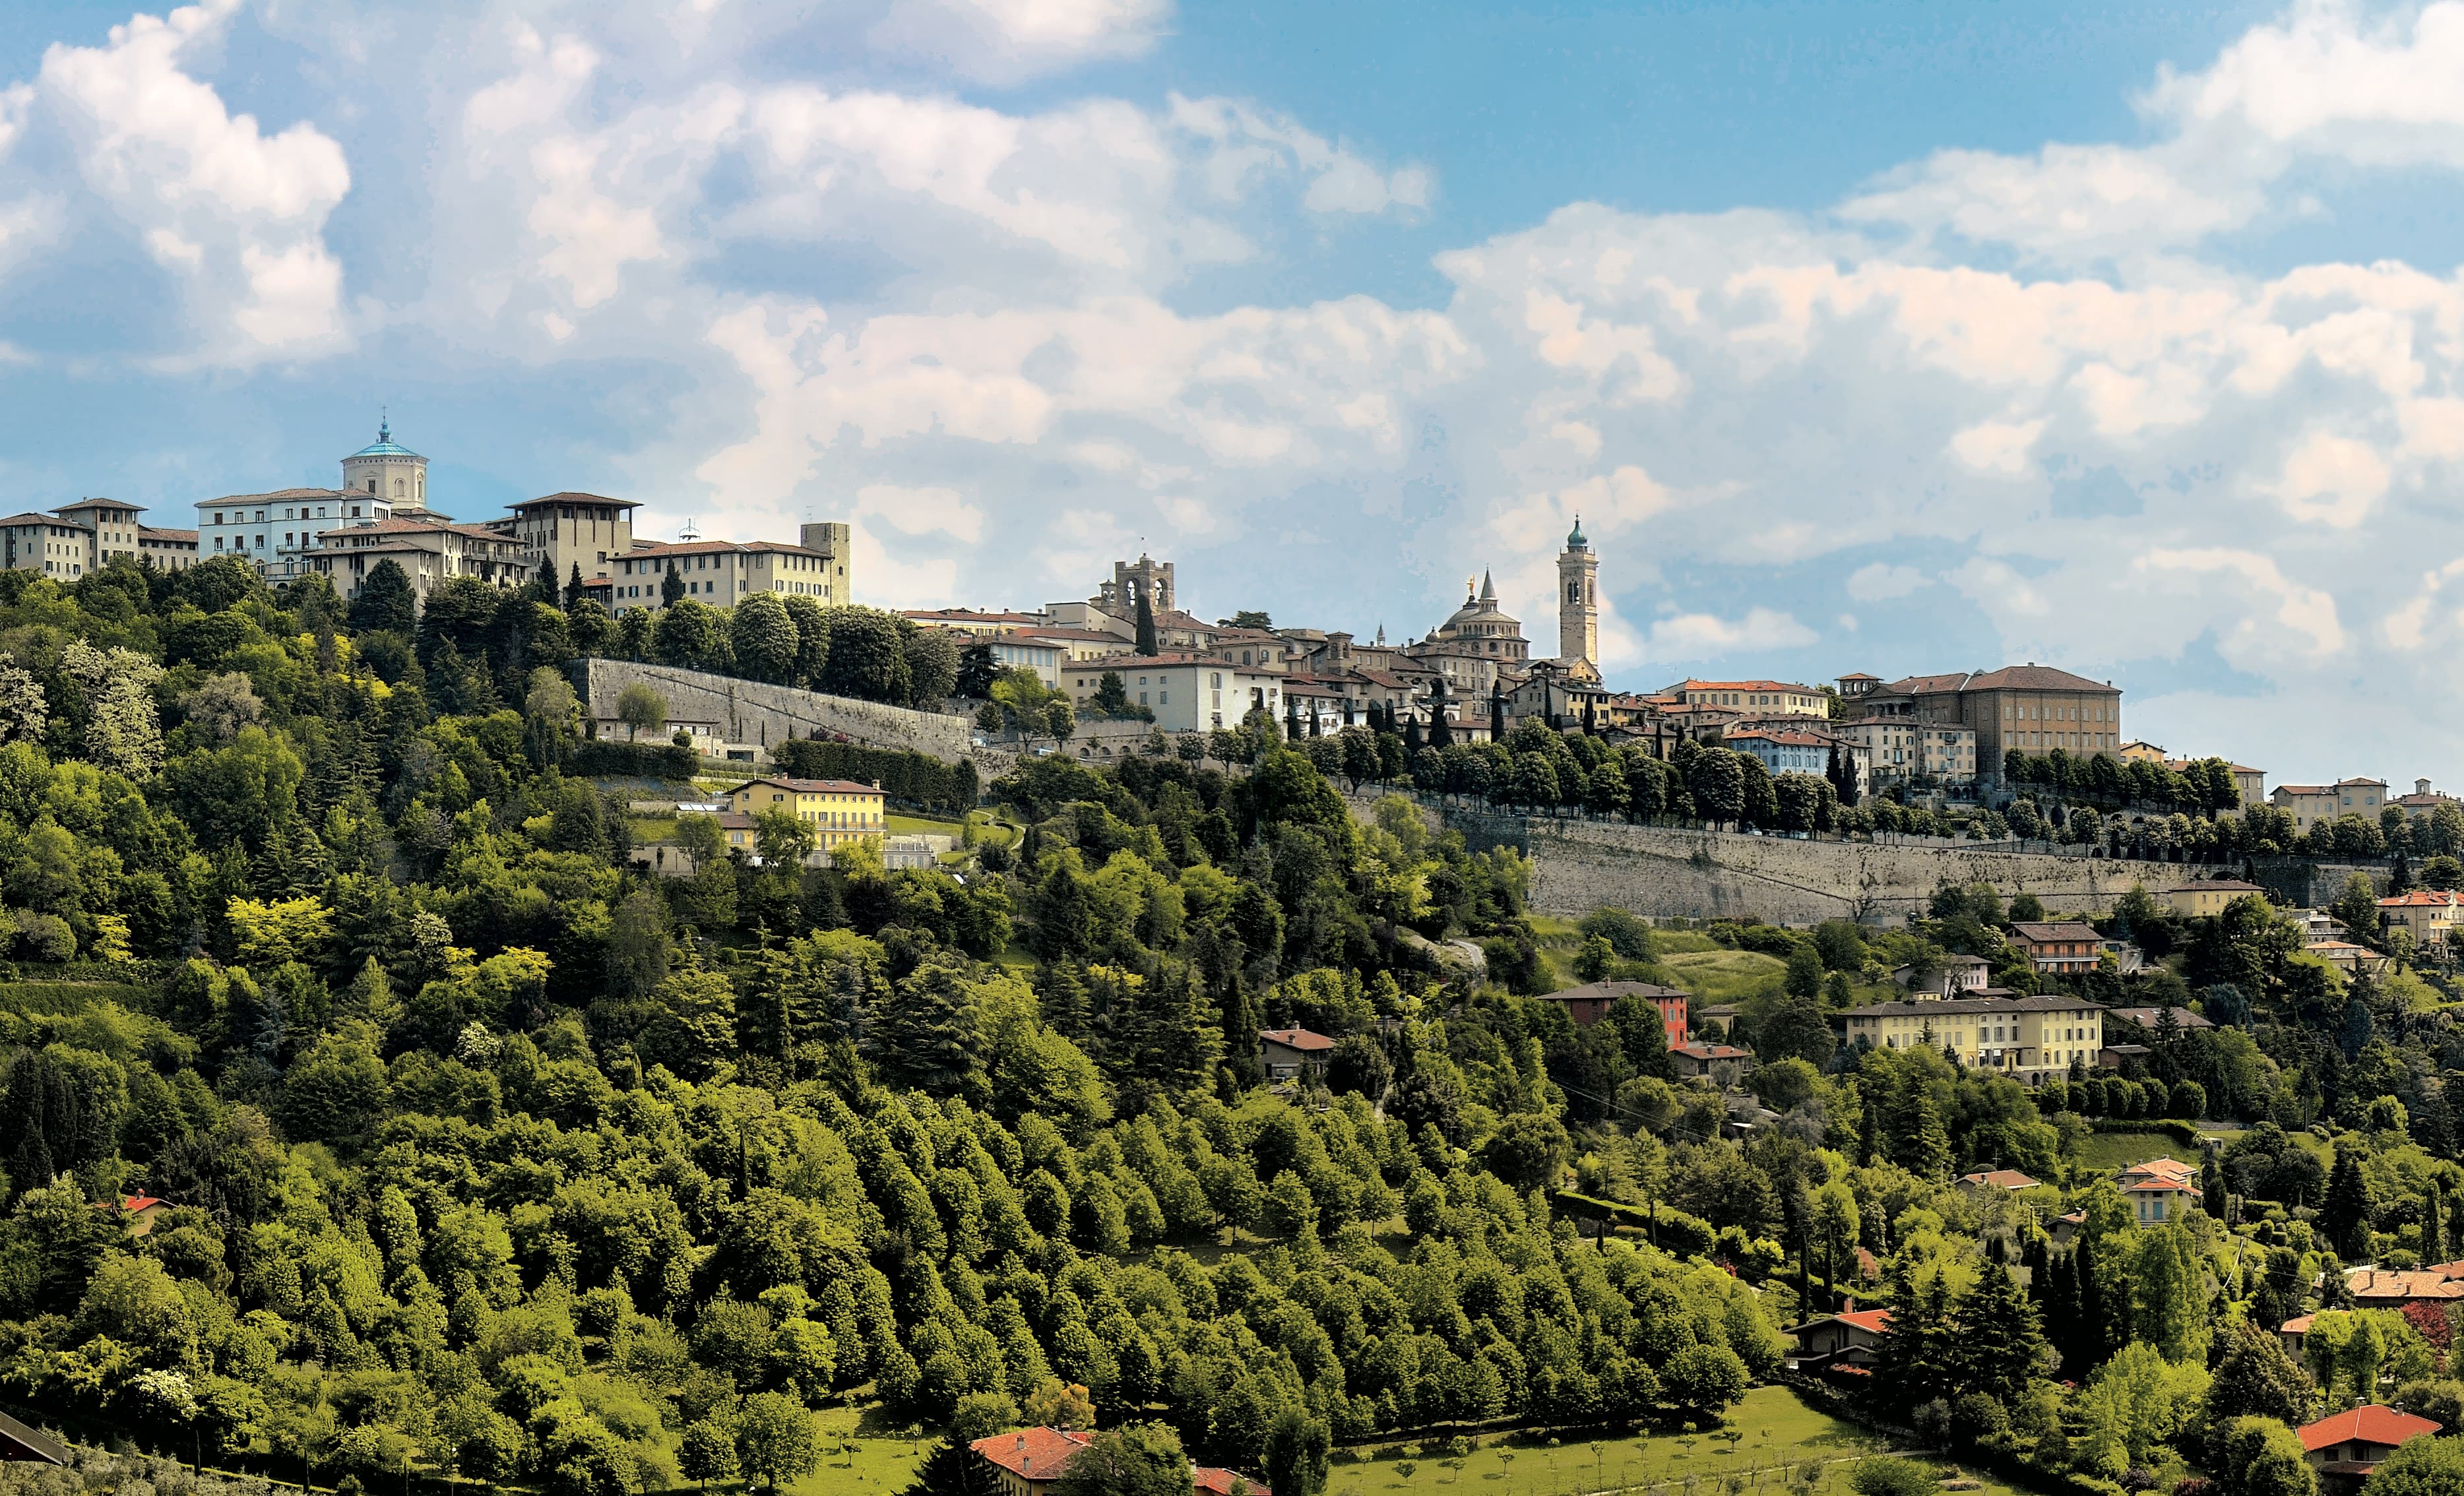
[
  {"x": 1718, "y": 975},
  {"x": 2104, "y": 1152},
  {"x": 1776, "y": 1434}
]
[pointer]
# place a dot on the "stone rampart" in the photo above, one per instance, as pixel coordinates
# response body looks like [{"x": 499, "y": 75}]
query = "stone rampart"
[
  {"x": 1579, "y": 866},
  {"x": 749, "y": 712}
]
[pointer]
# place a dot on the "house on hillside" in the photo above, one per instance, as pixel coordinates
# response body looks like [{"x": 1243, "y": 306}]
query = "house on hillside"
[
  {"x": 2062, "y": 948},
  {"x": 1699, "y": 1060},
  {"x": 1590, "y": 1002},
  {"x": 2159, "y": 1190},
  {"x": 1028, "y": 1462},
  {"x": 1290, "y": 1053},
  {"x": 1844, "y": 1342},
  {"x": 2345, "y": 1448}
]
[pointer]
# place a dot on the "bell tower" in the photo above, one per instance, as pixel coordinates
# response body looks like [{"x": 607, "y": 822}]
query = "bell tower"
[{"x": 1578, "y": 601}]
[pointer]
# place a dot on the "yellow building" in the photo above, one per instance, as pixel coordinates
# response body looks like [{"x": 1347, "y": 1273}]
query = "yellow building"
[
  {"x": 840, "y": 811},
  {"x": 2033, "y": 1038},
  {"x": 2193, "y": 900},
  {"x": 1784, "y": 697},
  {"x": 2426, "y": 914}
]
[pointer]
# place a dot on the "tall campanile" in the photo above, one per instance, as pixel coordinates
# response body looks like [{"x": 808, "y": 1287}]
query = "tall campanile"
[{"x": 1579, "y": 600}]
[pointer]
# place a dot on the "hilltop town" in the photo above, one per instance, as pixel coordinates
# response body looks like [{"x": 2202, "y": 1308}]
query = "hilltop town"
[{"x": 517, "y": 1001}]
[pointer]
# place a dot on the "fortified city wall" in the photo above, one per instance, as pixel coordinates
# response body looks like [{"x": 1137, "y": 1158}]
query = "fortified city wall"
[
  {"x": 1579, "y": 866},
  {"x": 750, "y": 712}
]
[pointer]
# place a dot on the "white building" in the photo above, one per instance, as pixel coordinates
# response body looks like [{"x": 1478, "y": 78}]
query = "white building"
[
  {"x": 1187, "y": 693},
  {"x": 277, "y": 530}
]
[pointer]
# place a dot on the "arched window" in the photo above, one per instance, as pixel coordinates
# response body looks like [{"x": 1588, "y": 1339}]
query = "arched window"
[{"x": 397, "y": 488}]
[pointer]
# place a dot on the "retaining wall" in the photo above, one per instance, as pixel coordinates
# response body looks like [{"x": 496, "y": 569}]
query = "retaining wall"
[
  {"x": 749, "y": 712},
  {"x": 1579, "y": 866}
]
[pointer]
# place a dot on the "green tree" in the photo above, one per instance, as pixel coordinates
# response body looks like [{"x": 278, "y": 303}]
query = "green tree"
[
  {"x": 2344, "y": 1215},
  {"x": 2261, "y": 1456},
  {"x": 671, "y": 586},
  {"x": 2357, "y": 908},
  {"x": 775, "y": 1440},
  {"x": 1146, "y": 644},
  {"x": 931, "y": 666},
  {"x": 1135, "y": 1460},
  {"x": 764, "y": 640},
  {"x": 867, "y": 659},
  {"x": 640, "y": 708},
  {"x": 1297, "y": 1450},
  {"x": 2256, "y": 1379},
  {"x": 385, "y": 601},
  {"x": 706, "y": 1452}
]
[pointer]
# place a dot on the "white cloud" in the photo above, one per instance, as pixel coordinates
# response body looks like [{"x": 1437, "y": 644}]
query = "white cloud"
[
  {"x": 2331, "y": 480},
  {"x": 235, "y": 214},
  {"x": 2305, "y": 614},
  {"x": 1008, "y": 40},
  {"x": 1999, "y": 448},
  {"x": 1702, "y": 636},
  {"x": 1880, "y": 582},
  {"x": 921, "y": 510},
  {"x": 958, "y": 317}
]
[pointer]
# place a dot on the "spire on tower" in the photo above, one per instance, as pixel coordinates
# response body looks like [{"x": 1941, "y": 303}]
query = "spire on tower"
[{"x": 1487, "y": 588}]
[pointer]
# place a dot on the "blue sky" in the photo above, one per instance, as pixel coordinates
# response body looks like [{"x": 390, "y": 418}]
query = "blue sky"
[{"x": 1885, "y": 337}]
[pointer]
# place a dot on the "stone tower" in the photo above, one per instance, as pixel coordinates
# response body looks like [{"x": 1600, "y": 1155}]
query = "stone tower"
[
  {"x": 1579, "y": 598},
  {"x": 392, "y": 472}
]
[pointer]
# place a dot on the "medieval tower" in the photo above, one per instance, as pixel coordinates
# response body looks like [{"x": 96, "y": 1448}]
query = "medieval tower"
[{"x": 1578, "y": 601}]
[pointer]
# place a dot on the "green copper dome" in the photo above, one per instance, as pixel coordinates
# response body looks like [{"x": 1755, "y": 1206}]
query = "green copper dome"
[
  {"x": 1575, "y": 541},
  {"x": 385, "y": 445}
]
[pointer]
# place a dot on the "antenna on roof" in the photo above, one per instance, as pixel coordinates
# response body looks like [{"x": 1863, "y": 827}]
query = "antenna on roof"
[{"x": 690, "y": 533}]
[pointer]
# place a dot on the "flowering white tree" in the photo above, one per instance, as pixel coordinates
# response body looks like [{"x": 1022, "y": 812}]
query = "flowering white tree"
[{"x": 123, "y": 731}]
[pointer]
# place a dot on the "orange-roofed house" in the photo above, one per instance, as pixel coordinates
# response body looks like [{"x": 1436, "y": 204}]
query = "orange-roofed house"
[
  {"x": 2345, "y": 1448},
  {"x": 1840, "y": 1342},
  {"x": 1289, "y": 1053},
  {"x": 141, "y": 1212},
  {"x": 1028, "y": 1462},
  {"x": 2426, "y": 914},
  {"x": 2160, "y": 1190},
  {"x": 2383, "y": 1289},
  {"x": 1998, "y": 1179}
]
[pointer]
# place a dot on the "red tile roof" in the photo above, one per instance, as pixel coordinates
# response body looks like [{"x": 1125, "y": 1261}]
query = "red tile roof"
[
  {"x": 1702, "y": 1051},
  {"x": 575, "y": 498},
  {"x": 2000, "y": 1178},
  {"x": 2372, "y": 1423},
  {"x": 1214, "y": 1482},
  {"x": 2420, "y": 898},
  {"x": 1297, "y": 1039},
  {"x": 1034, "y": 1453}
]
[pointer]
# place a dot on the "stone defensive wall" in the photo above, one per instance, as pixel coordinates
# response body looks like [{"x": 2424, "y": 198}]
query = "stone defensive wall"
[
  {"x": 750, "y": 712},
  {"x": 1579, "y": 866}
]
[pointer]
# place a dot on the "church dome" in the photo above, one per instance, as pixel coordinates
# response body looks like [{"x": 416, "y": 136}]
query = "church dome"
[
  {"x": 1575, "y": 541},
  {"x": 385, "y": 445}
]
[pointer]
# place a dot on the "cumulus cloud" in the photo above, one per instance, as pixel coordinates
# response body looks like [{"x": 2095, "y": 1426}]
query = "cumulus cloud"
[
  {"x": 959, "y": 319},
  {"x": 235, "y": 214},
  {"x": 1009, "y": 41}
]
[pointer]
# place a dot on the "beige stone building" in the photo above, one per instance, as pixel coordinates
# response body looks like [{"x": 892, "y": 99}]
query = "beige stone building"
[
  {"x": 2311, "y": 804},
  {"x": 2033, "y": 1038},
  {"x": 1579, "y": 598},
  {"x": 564, "y": 531},
  {"x": 2426, "y": 914},
  {"x": 1755, "y": 697},
  {"x": 2034, "y": 708},
  {"x": 170, "y": 550},
  {"x": 428, "y": 549},
  {"x": 723, "y": 573},
  {"x": 1904, "y": 748},
  {"x": 1476, "y": 645},
  {"x": 73, "y": 539}
]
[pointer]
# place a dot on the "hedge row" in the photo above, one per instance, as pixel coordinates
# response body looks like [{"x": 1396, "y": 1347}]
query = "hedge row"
[
  {"x": 646, "y": 760},
  {"x": 912, "y": 779},
  {"x": 1671, "y": 1229}
]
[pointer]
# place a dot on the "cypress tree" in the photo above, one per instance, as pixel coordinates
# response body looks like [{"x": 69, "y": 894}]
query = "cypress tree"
[
  {"x": 1999, "y": 1344},
  {"x": 1147, "y": 642},
  {"x": 2344, "y": 1215},
  {"x": 2433, "y": 1234},
  {"x": 1496, "y": 714}
]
